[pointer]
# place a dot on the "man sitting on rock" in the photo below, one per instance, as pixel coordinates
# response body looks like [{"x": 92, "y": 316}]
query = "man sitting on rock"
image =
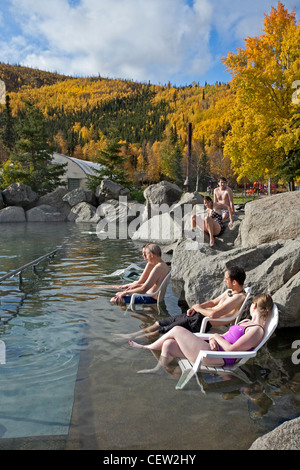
[{"x": 224, "y": 306}]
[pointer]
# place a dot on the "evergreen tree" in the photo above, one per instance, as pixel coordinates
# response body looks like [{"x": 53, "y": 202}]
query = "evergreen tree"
[
  {"x": 8, "y": 132},
  {"x": 32, "y": 162},
  {"x": 177, "y": 165},
  {"x": 203, "y": 170},
  {"x": 111, "y": 159}
]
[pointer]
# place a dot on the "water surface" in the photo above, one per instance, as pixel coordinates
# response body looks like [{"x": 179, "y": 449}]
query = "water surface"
[{"x": 67, "y": 383}]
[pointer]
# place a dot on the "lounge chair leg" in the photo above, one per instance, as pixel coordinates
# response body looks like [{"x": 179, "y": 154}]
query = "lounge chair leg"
[{"x": 185, "y": 378}]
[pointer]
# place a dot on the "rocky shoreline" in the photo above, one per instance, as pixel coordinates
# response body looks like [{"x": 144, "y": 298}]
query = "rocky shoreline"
[{"x": 265, "y": 240}]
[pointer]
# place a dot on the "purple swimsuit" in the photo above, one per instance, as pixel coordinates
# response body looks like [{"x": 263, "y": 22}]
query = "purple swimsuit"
[{"x": 234, "y": 333}]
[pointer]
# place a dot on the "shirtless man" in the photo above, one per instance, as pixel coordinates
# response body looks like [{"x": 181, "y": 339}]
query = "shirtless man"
[
  {"x": 143, "y": 277},
  {"x": 226, "y": 305},
  {"x": 158, "y": 272},
  {"x": 223, "y": 194}
]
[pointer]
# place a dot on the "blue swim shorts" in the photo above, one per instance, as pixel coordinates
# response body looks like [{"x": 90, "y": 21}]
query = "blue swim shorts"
[{"x": 140, "y": 299}]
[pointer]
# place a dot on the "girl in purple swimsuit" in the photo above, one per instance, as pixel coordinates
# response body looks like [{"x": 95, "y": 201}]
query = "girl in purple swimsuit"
[{"x": 179, "y": 342}]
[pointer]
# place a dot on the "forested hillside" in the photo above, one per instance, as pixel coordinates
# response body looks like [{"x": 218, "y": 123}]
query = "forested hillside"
[
  {"x": 84, "y": 114},
  {"x": 16, "y": 76},
  {"x": 247, "y": 129}
]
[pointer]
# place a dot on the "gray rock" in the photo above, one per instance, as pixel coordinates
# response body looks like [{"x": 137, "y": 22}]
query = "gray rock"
[
  {"x": 45, "y": 213},
  {"x": 284, "y": 437},
  {"x": 189, "y": 198},
  {"x": 19, "y": 194},
  {"x": 162, "y": 193},
  {"x": 1, "y": 201},
  {"x": 162, "y": 229},
  {"x": 271, "y": 218},
  {"x": 110, "y": 190},
  {"x": 55, "y": 199},
  {"x": 288, "y": 296},
  {"x": 80, "y": 195},
  {"x": 271, "y": 267},
  {"x": 83, "y": 212},
  {"x": 12, "y": 214}
]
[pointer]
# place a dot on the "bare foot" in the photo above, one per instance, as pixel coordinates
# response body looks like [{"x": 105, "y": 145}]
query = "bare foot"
[
  {"x": 212, "y": 242},
  {"x": 158, "y": 370},
  {"x": 133, "y": 344}
]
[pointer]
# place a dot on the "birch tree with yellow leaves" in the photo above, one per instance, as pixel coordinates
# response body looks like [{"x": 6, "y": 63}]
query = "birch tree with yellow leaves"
[{"x": 262, "y": 134}]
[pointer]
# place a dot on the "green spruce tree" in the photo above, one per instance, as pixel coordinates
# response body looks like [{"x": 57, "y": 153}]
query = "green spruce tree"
[
  {"x": 7, "y": 126},
  {"x": 111, "y": 161},
  {"x": 31, "y": 163}
]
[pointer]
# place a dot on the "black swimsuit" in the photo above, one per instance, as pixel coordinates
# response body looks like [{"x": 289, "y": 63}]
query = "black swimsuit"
[{"x": 218, "y": 218}]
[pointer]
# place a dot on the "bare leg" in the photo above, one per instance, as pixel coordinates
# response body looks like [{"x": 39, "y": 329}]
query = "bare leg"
[
  {"x": 178, "y": 342},
  {"x": 206, "y": 225},
  {"x": 159, "y": 368},
  {"x": 151, "y": 330},
  {"x": 213, "y": 228},
  {"x": 225, "y": 215}
]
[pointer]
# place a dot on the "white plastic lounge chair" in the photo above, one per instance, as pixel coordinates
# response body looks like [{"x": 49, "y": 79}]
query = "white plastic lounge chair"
[
  {"x": 235, "y": 317},
  {"x": 189, "y": 369},
  {"x": 161, "y": 293}
]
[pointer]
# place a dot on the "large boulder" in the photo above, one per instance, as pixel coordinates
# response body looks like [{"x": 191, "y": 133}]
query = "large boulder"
[
  {"x": 55, "y": 199},
  {"x": 83, "y": 212},
  {"x": 1, "y": 201},
  {"x": 162, "y": 193},
  {"x": 271, "y": 267},
  {"x": 284, "y": 437},
  {"x": 289, "y": 295},
  {"x": 45, "y": 213},
  {"x": 19, "y": 194},
  {"x": 80, "y": 195},
  {"x": 110, "y": 190},
  {"x": 272, "y": 218},
  {"x": 12, "y": 214},
  {"x": 161, "y": 229}
]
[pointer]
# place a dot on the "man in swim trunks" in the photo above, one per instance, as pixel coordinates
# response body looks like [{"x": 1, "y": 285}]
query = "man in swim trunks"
[
  {"x": 226, "y": 305},
  {"x": 158, "y": 273},
  {"x": 223, "y": 194}
]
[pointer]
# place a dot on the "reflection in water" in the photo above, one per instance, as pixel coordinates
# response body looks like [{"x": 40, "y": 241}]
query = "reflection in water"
[{"x": 67, "y": 375}]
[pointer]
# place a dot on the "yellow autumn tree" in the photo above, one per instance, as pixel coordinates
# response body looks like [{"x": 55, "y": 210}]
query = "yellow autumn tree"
[
  {"x": 154, "y": 163},
  {"x": 262, "y": 77}
]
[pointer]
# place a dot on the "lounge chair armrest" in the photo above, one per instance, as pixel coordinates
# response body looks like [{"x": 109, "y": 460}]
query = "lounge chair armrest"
[
  {"x": 222, "y": 354},
  {"x": 130, "y": 306},
  {"x": 229, "y": 354}
]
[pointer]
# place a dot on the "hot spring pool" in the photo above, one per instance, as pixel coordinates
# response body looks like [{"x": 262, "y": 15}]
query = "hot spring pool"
[{"x": 68, "y": 384}]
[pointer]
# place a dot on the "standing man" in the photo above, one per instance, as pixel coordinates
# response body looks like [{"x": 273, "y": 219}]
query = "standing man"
[{"x": 223, "y": 194}]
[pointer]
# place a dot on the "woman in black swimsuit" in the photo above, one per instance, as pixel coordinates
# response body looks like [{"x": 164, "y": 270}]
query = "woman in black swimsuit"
[{"x": 213, "y": 223}]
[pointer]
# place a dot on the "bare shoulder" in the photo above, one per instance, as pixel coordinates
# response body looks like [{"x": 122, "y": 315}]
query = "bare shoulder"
[{"x": 234, "y": 299}]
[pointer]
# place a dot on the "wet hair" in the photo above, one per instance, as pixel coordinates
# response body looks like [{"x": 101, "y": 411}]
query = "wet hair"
[
  {"x": 223, "y": 179},
  {"x": 153, "y": 248},
  {"x": 237, "y": 274},
  {"x": 264, "y": 304}
]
